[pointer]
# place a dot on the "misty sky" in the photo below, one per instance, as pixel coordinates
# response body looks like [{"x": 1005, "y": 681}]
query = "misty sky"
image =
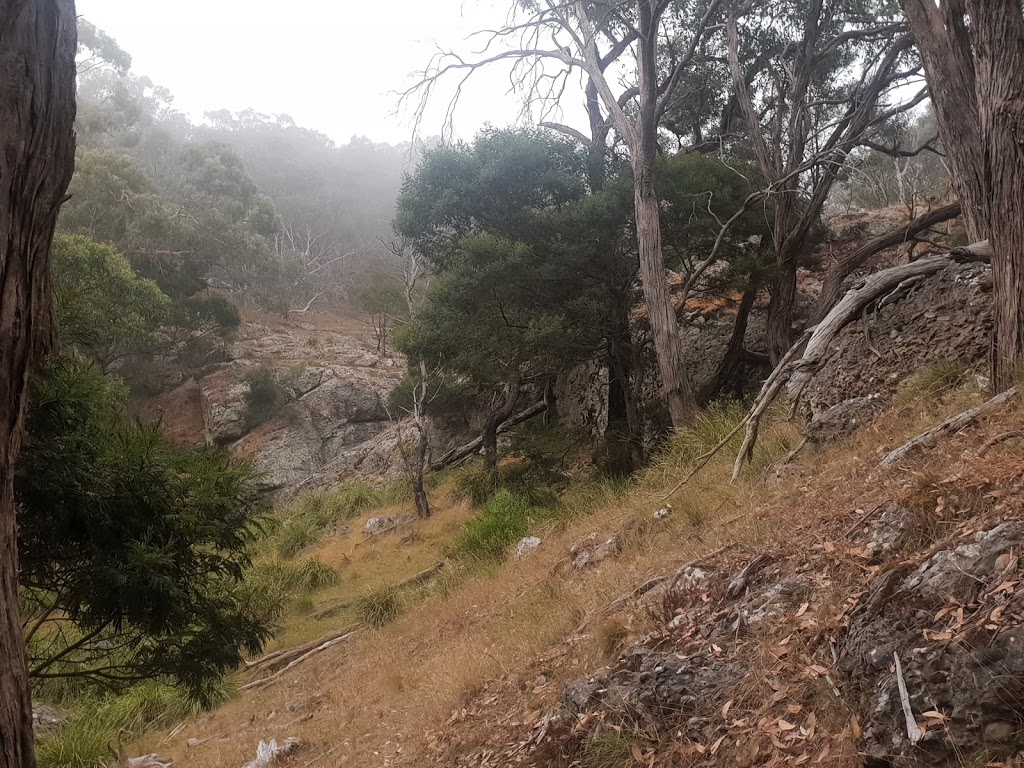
[{"x": 329, "y": 64}]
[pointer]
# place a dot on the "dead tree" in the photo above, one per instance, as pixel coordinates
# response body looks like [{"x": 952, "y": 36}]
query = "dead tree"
[
  {"x": 551, "y": 42},
  {"x": 37, "y": 150}
]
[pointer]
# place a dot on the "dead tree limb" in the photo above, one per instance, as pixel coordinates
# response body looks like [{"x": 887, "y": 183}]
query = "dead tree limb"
[
  {"x": 844, "y": 267},
  {"x": 457, "y": 454},
  {"x": 324, "y": 643},
  {"x": 950, "y": 426}
]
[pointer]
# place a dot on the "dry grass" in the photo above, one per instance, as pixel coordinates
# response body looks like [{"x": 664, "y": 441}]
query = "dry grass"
[{"x": 504, "y": 636}]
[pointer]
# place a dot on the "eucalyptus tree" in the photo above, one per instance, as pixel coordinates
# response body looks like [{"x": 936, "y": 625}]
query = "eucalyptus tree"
[
  {"x": 653, "y": 45},
  {"x": 37, "y": 145},
  {"x": 973, "y": 54},
  {"x": 811, "y": 81}
]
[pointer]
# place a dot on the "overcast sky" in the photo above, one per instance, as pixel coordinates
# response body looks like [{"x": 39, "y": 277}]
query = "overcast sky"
[{"x": 332, "y": 65}]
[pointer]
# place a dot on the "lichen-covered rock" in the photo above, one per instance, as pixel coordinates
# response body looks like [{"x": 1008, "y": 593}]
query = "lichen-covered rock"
[
  {"x": 842, "y": 419},
  {"x": 957, "y": 657},
  {"x": 379, "y": 523}
]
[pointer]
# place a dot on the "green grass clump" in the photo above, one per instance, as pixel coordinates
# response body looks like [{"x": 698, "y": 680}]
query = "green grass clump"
[
  {"x": 296, "y": 535},
  {"x": 98, "y": 723},
  {"x": 711, "y": 426},
  {"x": 325, "y": 508},
  {"x": 532, "y": 481},
  {"x": 379, "y": 606},
  {"x": 314, "y": 574},
  {"x": 501, "y": 523},
  {"x": 607, "y": 750},
  {"x": 934, "y": 380}
]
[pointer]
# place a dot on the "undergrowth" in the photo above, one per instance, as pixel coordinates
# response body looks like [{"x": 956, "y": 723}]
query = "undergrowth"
[{"x": 99, "y": 723}]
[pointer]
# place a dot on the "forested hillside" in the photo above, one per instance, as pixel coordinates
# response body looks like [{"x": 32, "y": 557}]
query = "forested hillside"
[{"x": 673, "y": 423}]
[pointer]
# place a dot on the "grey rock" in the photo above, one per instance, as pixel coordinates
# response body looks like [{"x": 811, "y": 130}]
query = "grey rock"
[
  {"x": 526, "y": 547},
  {"x": 379, "y": 523}
]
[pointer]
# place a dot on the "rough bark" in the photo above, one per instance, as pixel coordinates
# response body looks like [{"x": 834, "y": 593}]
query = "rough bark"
[
  {"x": 729, "y": 376},
  {"x": 831, "y": 288},
  {"x": 37, "y": 99},
  {"x": 975, "y": 76}
]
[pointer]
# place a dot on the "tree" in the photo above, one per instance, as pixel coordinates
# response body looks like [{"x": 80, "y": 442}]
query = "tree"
[
  {"x": 132, "y": 550},
  {"x": 810, "y": 87},
  {"x": 37, "y": 108},
  {"x": 102, "y": 307},
  {"x": 973, "y": 54},
  {"x": 589, "y": 37},
  {"x": 531, "y": 189},
  {"x": 381, "y": 297}
]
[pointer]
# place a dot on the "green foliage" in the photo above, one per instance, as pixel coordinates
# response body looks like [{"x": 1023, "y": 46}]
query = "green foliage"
[
  {"x": 102, "y": 307},
  {"x": 296, "y": 535},
  {"x": 206, "y": 313},
  {"x": 345, "y": 502},
  {"x": 379, "y": 607},
  {"x": 98, "y": 723},
  {"x": 264, "y": 397},
  {"x": 381, "y": 297},
  {"x": 526, "y": 479},
  {"x": 132, "y": 550},
  {"x": 502, "y": 521}
]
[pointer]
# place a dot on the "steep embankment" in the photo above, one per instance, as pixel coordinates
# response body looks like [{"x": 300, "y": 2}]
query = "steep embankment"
[{"x": 775, "y": 644}]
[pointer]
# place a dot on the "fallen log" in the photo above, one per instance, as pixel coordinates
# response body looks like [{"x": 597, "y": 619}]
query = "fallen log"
[
  {"x": 457, "y": 454},
  {"x": 285, "y": 655},
  {"x": 798, "y": 372},
  {"x": 330, "y": 642},
  {"x": 951, "y": 425}
]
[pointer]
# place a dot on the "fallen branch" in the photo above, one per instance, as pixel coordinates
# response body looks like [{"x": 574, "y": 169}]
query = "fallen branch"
[
  {"x": 769, "y": 391},
  {"x": 457, "y": 454},
  {"x": 1000, "y": 438},
  {"x": 914, "y": 732},
  {"x": 285, "y": 655},
  {"x": 797, "y": 372},
  {"x": 330, "y": 643},
  {"x": 951, "y": 425},
  {"x": 420, "y": 578}
]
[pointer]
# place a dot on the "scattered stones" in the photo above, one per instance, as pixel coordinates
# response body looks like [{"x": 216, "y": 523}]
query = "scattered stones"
[
  {"x": 587, "y": 551},
  {"x": 526, "y": 547},
  {"x": 664, "y": 512}
]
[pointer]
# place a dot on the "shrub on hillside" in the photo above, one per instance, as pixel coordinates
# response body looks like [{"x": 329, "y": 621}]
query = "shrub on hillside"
[{"x": 504, "y": 519}]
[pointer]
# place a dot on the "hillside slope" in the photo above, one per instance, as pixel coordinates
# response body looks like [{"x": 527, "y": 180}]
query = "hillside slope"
[{"x": 773, "y": 646}]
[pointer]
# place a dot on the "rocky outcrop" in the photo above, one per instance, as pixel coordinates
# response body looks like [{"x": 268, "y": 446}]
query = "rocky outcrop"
[{"x": 946, "y": 317}]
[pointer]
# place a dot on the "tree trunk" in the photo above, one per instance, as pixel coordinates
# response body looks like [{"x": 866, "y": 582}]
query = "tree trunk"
[
  {"x": 37, "y": 146},
  {"x": 495, "y": 419},
  {"x": 975, "y": 77},
  {"x": 780, "y": 309},
  {"x": 731, "y": 370},
  {"x": 418, "y": 486},
  {"x": 624, "y": 435},
  {"x": 999, "y": 44},
  {"x": 643, "y": 149}
]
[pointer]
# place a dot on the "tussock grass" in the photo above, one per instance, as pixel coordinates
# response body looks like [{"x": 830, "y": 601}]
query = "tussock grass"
[
  {"x": 295, "y": 536},
  {"x": 932, "y": 381},
  {"x": 379, "y": 607},
  {"x": 608, "y": 749},
  {"x": 96, "y": 724}
]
